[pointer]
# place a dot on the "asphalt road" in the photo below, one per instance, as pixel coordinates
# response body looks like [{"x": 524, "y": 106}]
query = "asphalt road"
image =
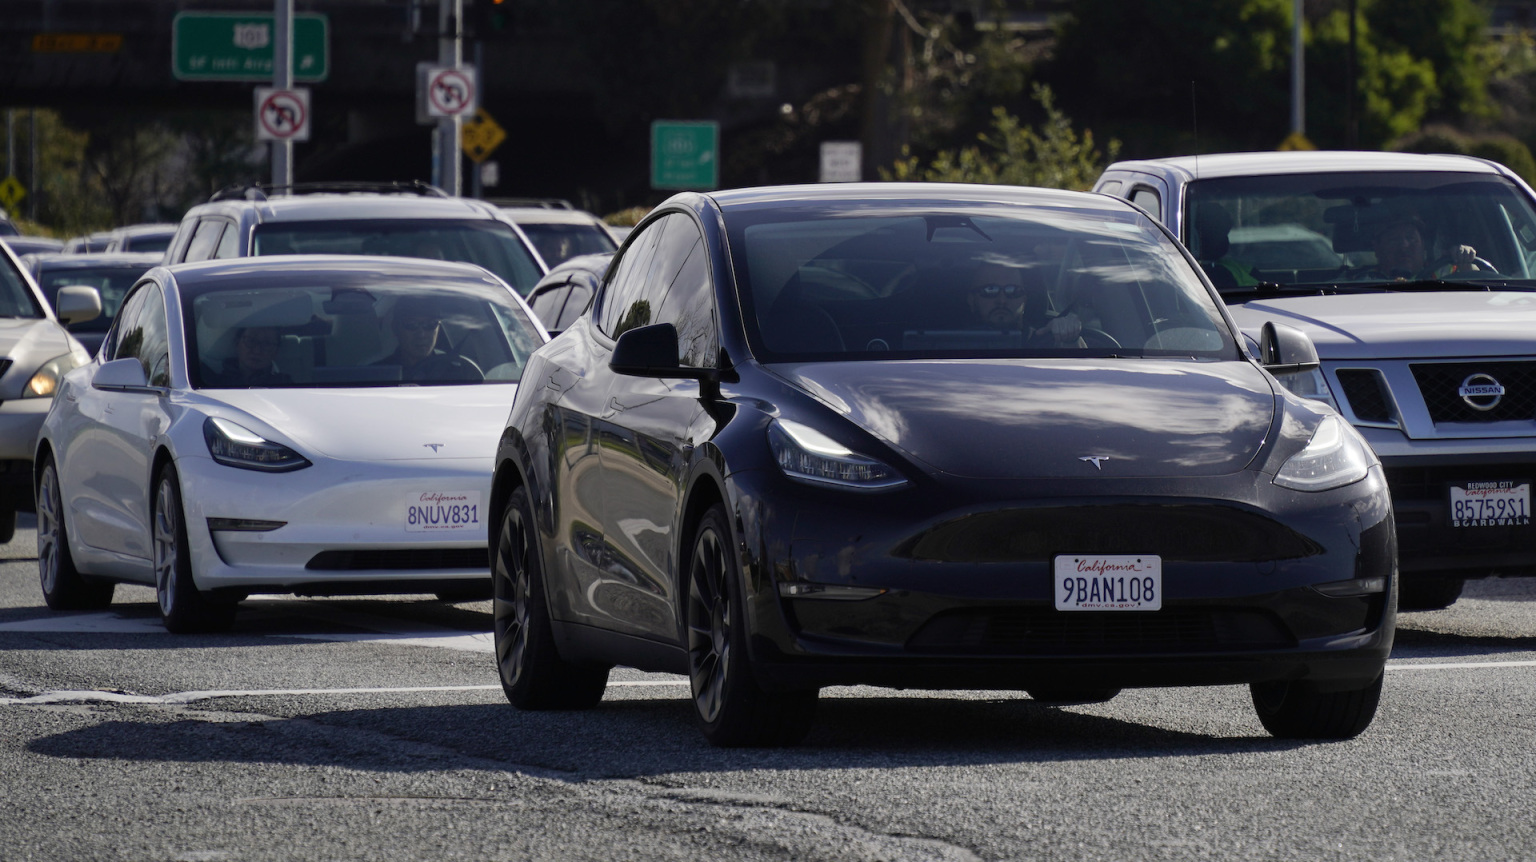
[{"x": 373, "y": 729}]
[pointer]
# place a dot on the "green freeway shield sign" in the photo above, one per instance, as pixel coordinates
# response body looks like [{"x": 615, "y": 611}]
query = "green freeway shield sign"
[
  {"x": 685, "y": 155},
  {"x": 237, "y": 46}
]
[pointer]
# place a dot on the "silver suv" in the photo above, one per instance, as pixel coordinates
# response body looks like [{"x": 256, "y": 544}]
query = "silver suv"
[
  {"x": 396, "y": 219},
  {"x": 1415, "y": 278}
]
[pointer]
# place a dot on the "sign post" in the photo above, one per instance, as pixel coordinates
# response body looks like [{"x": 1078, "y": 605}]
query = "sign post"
[{"x": 685, "y": 155}]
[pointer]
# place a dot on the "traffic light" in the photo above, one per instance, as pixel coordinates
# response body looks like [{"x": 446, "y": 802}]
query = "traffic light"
[{"x": 489, "y": 20}]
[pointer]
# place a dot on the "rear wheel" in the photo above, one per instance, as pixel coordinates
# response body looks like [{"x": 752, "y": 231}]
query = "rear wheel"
[
  {"x": 7, "y": 525},
  {"x": 183, "y": 607},
  {"x": 733, "y": 708},
  {"x": 533, "y": 674},
  {"x": 64, "y": 588},
  {"x": 1298, "y": 710},
  {"x": 1428, "y": 594}
]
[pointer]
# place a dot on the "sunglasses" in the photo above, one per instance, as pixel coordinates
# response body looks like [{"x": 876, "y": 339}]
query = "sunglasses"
[{"x": 996, "y": 290}]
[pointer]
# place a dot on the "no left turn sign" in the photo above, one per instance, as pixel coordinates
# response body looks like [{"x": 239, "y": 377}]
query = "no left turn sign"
[
  {"x": 451, "y": 92},
  {"x": 282, "y": 115}
]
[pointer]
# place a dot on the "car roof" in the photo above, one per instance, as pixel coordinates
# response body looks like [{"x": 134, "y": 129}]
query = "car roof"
[
  {"x": 98, "y": 258},
  {"x": 335, "y": 268},
  {"x": 540, "y": 215},
  {"x": 354, "y": 206},
  {"x": 141, "y": 229},
  {"x": 937, "y": 192},
  {"x": 1220, "y": 165}
]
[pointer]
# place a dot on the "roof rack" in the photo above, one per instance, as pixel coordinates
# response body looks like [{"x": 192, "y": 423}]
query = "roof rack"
[
  {"x": 541, "y": 203},
  {"x": 262, "y": 191}
]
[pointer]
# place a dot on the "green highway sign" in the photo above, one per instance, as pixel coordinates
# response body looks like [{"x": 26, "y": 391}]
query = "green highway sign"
[
  {"x": 685, "y": 154},
  {"x": 237, "y": 46}
]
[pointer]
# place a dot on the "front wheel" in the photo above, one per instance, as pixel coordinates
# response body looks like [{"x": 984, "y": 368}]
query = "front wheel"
[
  {"x": 183, "y": 607},
  {"x": 533, "y": 674},
  {"x": 64, "y": 588},
  {"x": 733, "y": 709},
  {"x": 1428, "y": 594},
  {"x": 1298, "y": 710}
]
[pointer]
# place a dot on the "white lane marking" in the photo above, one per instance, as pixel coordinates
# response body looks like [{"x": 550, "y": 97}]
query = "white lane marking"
[
  {"x": 186, "y": 697},
  {"x": 104, "y": 622},
  {"x": 482, "y": 642},
  {"x": 1460, "y": 665}
]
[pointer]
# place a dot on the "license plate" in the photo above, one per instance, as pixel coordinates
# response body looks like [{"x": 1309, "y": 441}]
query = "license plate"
[
  {"x": 442, "y": 511},
  {"x": 1491, "y": 504},
  {"x": 1127, "y": 582}
]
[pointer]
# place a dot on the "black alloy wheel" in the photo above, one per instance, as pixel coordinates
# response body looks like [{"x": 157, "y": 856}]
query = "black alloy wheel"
[
  {"x": 733, "y": 709},
  {"x": 64, "y": 588},
  {"x": 183, "y": 607},
  {"x": 1299, "y": 710},
  {"x": 533, "y": 674}
]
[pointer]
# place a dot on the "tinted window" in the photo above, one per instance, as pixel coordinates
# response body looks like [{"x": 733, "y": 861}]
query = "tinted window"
[
  {"x": 112, "y": 282},
  {"x": 204, "y": 240},
  {"x": 1148, "y": 200},
  {"x": 687, "y": 291},
  {"x": 145, "y": 338},
  {"x": 619, "y": 310},
  {"x": 558, "y": 243},
  {"x": 111, "y": 348},
  {"x": 484, "y": 242},
  {"x": 16, "y": 298},
  {"x": 229, "y": 244}
]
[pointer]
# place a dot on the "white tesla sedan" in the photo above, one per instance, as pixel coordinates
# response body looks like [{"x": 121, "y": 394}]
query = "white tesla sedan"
[{"x": 309, "y": 425}]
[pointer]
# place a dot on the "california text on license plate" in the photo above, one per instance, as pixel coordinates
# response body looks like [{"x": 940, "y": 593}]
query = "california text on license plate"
[
  {"x": 1491, "y": 504},
  {"x": 1127, "y": 582},
  {"x": 440, "y": 511}
]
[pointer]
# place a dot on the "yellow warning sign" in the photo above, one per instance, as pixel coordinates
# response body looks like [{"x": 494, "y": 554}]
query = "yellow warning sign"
[
  {"x": 481, "y": 136},
  {"x": 11, "y": 192}
]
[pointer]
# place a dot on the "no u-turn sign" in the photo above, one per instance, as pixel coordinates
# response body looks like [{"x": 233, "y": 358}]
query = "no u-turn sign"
[{"x": 282, "y": 115}]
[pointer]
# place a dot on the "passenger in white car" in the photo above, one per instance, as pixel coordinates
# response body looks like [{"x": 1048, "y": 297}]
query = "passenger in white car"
[{"x": 252, "y": 364}]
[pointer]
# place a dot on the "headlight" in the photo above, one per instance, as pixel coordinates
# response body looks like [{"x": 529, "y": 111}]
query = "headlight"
[
  {"x": 1309, "y": 384},
  {"x": 808, "y": 455},
  {"x": 1333, "y": 458},
  {"x": 235, "y": 446},
  {"x": 46, "y": 381}
]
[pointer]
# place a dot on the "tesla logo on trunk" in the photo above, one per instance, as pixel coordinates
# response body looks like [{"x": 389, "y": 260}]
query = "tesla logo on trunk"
[
  {"x": 1481, "y": 392},
  {"x": 1096, "y": 460},
  {"x": 433, "y": 446}
]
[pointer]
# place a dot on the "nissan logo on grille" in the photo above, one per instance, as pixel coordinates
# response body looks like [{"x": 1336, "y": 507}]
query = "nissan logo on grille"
[{"x": 1481, "y": 392}]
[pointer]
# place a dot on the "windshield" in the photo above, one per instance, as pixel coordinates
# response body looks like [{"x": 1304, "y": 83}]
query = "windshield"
[
  {"x": 841, "y": 281},
  {"x": 112, "y": 282},
  {"x": 151, "y": 242},
  {"x": 487, "y": 243},
  {"x": 1362, "y": 228},
  {"x": 16, "y": 299},
  {"x": 387, "y": 333},
  {"x": 558, "y": 243}
]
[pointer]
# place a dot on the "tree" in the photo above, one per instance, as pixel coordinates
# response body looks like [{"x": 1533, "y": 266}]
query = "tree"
[{"x": 1449, "y": 34}]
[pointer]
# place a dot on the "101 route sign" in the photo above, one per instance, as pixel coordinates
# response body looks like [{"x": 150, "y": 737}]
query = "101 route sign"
[
  {"x": 685, "y": 154},
  {"x": 237, "y": 46}
]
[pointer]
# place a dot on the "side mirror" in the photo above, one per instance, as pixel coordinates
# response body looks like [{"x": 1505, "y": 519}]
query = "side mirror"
[
  {"x": 1286, "y": 349},
  {"x": 78, "y": 303},
  {"x": 651, "y": 351},
  {"x": 123, "y": 375}
]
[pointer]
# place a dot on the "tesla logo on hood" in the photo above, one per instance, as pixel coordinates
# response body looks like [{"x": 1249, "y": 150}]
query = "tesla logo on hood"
[
  {"x": 1481, "y": 392},
  {"x": 433, "y": 446},
  {"x": 1096, "y": 460}
]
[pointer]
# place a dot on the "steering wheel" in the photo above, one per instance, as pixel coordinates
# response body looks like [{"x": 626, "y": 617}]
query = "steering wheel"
[
  {"x": 1097, "y": 338},
  {"x": 447, "y": 366},
  {"x": 1483, "y": 265}
]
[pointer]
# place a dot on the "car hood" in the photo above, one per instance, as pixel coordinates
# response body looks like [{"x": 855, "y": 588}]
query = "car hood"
[
  {"x": 32, "y": 333},
  {"x": 1047, "y": 418},
  {"x": 1403, "y": 325},
  {"x": 383, "y": 424}
]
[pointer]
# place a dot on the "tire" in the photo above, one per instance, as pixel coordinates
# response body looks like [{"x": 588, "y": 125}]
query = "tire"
[
  {"x": 733, "y": 709},
  {"x": 533, "y": 674},
  {"x": 64, "y": 588},
  {"x": 1428, "y": 594},
  {"x": 1297, "y": 710},
  {"x": 183, "y": 608},
  {"x": 464, "y": 594},
  {"x": 1072, "y": 696},
  {"x": 7, "y": 525}
]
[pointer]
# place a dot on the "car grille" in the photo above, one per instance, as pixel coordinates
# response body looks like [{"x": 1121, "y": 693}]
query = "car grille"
[
  {"x": 1186, "y": 533},
  {"x": 1051, "y": 632},
  {"x": 1366, "y": 394},
  {"x": 406, "y": 558},
  {"x": 1439, "y": 382}
]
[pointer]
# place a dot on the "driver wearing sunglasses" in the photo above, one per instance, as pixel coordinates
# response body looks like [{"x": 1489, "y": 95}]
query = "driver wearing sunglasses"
[{"x": 997, "y": 297}]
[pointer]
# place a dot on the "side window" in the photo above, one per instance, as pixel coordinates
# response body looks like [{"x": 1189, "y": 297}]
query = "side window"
[
  {"x": 229, "y": 244},
  {"x": 618, "y": 310},
  {"x": 576, "y": 302},
  {"x": 689, "y": 304},
  {"x": 546, "y": 305},
  {"x": 147, "y": 337},
  {"x": 112, "y": 347},
  {"x": 1149, "y": 200},
  {"x": 1111, "y": 187},
  {"x": 204, "y": 240}
]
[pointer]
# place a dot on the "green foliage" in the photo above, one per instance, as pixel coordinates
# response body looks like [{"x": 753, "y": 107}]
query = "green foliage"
[
  {"x": 1055, "y": 156},
  {"x": 1507, "y": 151},
  {"x": 1394, "y": 89},
  {"x": 1449, "y": 35}
]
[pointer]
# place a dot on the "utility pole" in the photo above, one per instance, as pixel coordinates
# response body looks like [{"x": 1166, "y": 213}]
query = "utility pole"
[
  {"x": 282, "y": 79},
  {"x": 450, "y": 54},
  {"x": 1298, "y": 76}
]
